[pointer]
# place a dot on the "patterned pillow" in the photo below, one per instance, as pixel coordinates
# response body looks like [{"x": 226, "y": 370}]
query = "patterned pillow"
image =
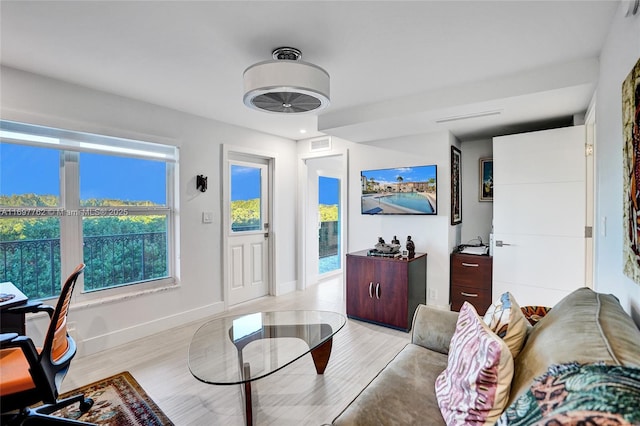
[
  {"x": 474, "y": 388},
  {"x": 533, "y": 314},
  {"x": 505, "y": 318},
  {"x": 579, "y": 394}
]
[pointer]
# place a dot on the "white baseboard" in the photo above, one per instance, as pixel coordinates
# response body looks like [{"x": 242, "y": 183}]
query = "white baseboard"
[
  {"x": 288, "y": 287},
  {"x": 126, "y": 335}
]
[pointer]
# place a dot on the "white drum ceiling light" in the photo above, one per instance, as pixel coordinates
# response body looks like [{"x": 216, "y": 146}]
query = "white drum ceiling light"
[{"x": 286, "y": 85}]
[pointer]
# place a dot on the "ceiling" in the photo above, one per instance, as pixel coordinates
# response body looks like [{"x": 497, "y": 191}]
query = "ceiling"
[{"x": 397, "y": 68}]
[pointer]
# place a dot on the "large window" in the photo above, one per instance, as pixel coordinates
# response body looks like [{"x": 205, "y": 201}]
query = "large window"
[{"x": 68, "y": 197}]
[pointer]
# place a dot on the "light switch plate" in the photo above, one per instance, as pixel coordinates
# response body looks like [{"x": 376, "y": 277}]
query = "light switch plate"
[{"x": 207, "y": 217}]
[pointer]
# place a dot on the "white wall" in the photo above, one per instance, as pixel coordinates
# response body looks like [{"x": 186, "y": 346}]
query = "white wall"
[
  {"x": 619, "y": 54},
  {"x": 476, "y": 215},
  {"x": 431, "y": 234},
  {"x": 34, "y": 99}
]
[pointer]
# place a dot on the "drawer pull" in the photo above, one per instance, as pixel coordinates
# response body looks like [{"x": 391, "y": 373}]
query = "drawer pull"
[
  {"x": 472, "y": 265},
  {"x": 371, "y": 289},
  {"x": 469, "y": 294}
]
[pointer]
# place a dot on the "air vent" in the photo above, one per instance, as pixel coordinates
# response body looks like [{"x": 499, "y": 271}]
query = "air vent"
[{"x": 320, "y": 144}]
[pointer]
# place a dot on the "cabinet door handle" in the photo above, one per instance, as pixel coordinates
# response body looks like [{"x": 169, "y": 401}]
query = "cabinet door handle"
[
  {"x": 471, "y": 265},
  {"x": 378, "y": 290},
  {"x": 371, "y": 289},
  {"x": 469, "y": 294}
]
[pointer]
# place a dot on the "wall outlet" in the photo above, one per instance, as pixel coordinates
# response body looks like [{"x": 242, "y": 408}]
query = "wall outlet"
[{"x": 433, "y": 294}]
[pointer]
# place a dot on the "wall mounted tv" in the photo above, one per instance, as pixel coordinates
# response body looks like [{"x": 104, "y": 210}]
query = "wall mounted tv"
[{"x": 403, "y": 190}]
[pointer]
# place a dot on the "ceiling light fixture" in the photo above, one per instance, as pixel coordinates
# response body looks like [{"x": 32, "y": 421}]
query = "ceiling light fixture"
[{"x": 286, "y": 85}]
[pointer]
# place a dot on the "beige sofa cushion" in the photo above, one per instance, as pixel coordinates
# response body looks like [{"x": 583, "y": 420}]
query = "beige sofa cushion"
[
  {"x": 401, "y": 393},
  {"x": 584, "y": 327}
]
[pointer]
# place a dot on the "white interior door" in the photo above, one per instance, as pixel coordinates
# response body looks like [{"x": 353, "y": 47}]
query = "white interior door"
[
  {"x": 539, "y": 210},
  {"x": 248, "y": 229}
]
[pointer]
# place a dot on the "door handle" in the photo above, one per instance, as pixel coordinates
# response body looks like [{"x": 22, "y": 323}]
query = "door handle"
[
  {"x": 371, "y": 289},
  {"x": 378, "y": 290},
  {"x": 500, "y": 243}
]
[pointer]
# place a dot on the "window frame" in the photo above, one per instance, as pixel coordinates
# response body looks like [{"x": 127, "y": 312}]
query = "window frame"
[{"x": 70, "y": 144}]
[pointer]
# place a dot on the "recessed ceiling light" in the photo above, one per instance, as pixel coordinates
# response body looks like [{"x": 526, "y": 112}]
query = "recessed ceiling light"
[{"x": 303, "y": 131}]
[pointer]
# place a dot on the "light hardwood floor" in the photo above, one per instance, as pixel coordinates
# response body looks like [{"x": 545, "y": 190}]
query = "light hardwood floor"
[{"x": 295, "y": 395}]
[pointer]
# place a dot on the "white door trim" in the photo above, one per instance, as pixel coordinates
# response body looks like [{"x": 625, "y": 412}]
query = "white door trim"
[
  {"x": 303, "y": 221},
  {"x": 227, "y": 152},
  {"x": 592, "y": 194}
]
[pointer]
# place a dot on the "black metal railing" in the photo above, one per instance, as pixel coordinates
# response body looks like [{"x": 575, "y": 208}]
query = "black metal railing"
[
  {"x": 328, "y": 239},
  {"x": 112, "y": 260},
  {"x": 32, "y": 265}
]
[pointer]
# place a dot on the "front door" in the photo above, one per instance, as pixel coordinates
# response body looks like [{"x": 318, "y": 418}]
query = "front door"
[
  {"x": 248, "y": 228},
  {"x": 539, "y": 211}
]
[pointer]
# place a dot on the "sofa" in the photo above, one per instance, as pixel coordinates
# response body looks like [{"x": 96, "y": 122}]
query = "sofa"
[{"x": 586, "y": 328}]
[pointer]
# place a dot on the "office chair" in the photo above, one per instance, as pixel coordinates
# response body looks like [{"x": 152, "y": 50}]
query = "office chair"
[{"x": 29, "y": 375}]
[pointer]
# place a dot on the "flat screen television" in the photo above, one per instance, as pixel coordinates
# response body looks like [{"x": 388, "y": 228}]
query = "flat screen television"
[{"x": 402, "y": 190}]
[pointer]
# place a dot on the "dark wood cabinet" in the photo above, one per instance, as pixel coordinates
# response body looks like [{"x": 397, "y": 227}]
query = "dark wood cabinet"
[
  {"x": 385, "y": 291},
  {"x": 471, "y": 278}
]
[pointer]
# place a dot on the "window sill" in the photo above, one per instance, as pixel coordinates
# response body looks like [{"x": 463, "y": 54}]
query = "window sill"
[{"x": 120, "y": 297}]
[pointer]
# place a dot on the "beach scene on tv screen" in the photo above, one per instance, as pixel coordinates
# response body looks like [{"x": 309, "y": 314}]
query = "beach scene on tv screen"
[{"x": 402, "y": 190}]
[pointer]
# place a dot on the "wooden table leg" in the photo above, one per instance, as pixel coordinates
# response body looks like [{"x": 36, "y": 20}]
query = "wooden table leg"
[
  {"x": 248, "y": 407},
  {"x": 321, "y": 356}
]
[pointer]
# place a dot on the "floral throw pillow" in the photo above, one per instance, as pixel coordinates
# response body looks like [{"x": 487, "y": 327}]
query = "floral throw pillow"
[
  {"x": 474, "y": 388},
  {"x": 579, "y": 394},
  {"x": 505, "y": 318}
]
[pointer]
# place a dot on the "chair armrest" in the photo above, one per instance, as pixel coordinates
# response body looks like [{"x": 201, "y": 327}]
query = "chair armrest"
[
  {"x": 30, "y": 307},
  {"x": 7, "y": 337},
  {"x": 24, "y": 343},
  {"x": 433, "y": 328}
]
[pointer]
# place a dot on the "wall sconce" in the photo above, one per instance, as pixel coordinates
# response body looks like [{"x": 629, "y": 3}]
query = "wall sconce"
[{"x": 201, "y": 183}]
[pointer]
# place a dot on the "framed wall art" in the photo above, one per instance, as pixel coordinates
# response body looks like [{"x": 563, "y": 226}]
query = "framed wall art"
[
  {"x": 631, "y": 172},
  {"x": 486, "y": 179},
  {"x": 456, "y": 198}
]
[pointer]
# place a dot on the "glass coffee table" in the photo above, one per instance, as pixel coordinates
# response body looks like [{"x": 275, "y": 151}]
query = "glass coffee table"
[{"x": 238, "y": 350}]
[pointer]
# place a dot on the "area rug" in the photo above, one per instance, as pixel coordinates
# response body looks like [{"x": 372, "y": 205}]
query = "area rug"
[{"x": 118, "y": 401}]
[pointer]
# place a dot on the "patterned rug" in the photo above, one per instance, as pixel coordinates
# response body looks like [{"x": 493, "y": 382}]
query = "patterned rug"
[{"x": 118, "y": 401}]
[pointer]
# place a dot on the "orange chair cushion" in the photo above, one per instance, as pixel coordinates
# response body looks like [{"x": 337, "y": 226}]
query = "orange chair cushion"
[{"x": 14, "y": 372}]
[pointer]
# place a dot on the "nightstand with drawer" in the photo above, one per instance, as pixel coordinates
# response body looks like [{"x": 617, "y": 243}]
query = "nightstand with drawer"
[{"x": 471, "y": 277}]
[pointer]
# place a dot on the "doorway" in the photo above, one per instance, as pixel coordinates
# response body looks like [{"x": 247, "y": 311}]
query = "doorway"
[
  {"x": 247, "y": 247},
  {"x": 322, "y": 218},
  {"x": 329, "y": 226}
]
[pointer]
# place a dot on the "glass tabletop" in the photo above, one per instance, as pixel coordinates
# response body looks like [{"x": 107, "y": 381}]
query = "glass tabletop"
[{"x": 223, "y": 348}]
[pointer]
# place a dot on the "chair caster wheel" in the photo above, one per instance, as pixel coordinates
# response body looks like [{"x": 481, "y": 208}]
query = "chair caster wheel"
[{"x": 86, "y": 405}]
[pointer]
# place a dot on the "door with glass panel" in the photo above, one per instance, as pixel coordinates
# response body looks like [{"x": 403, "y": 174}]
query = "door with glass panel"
[
  {"x": 329, "y": 225},
  {"x": 248, "y": 231}
]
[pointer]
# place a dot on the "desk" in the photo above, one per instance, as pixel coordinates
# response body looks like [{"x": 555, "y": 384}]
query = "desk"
[
  {"x": 238, "y": 350},
  {"x": 10, "y": 296}
]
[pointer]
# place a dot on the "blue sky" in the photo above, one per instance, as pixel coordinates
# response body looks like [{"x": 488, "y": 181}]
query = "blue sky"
[
  {"x": 329, "y": 190},
  {"x": 409, "y": 174},
  {"x": 246, "y": 185},
  {"x": 25, "y": 169}
]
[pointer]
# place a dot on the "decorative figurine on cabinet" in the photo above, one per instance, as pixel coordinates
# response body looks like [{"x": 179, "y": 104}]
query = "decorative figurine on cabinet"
[
  {"x": 385, "y": 248},
  {"x": 411, "y": 247}
]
